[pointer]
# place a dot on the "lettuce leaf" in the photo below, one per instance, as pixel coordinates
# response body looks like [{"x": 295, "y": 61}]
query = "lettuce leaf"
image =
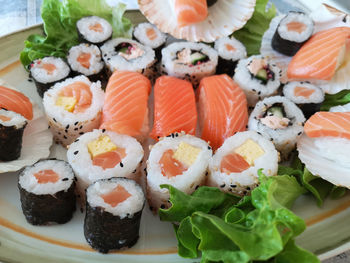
[
  {"x": 331, "y": 100},
  {"x": 60, "y": 26},
  {"x": 251, "y": 34},
  {"x": 258, "y": 227}
]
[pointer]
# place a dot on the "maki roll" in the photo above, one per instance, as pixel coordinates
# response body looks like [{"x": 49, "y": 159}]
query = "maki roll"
[
  {"x": 307, "y": 96},
  {"x": 102, "y": 154},
  {"x": 234, "y": 166},
  {"x": 47, "y": 192},
  {"x": 47, "y": 71},
  {"x": 12, "y": 127},
  {"x": 123, "y": 54},
  {"x": 149, "y": 35},
  {"x": 179, "y": 160},
  {"x": 189, "y": 61},
  {"x": 258, "y": 78},
  {"x": 86, "y": 59},
  {"x": 230, "y": 50},
  {"x": 113, "y": 214},
  {"x": 73, "y": 107},
  {"x": 279, "y": 120},
  {"x": 94, "y": 30},
  {"x": 292, "y": 32}
]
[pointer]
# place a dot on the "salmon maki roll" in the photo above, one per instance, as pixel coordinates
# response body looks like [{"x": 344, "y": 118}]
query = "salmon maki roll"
[
  {"x": 223, "y": 109},
  {"x": 174, "y": 107},
  {"x": 125, "y": 108}
]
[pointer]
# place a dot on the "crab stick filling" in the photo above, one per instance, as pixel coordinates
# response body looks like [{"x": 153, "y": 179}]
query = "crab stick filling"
[
  {"x": 191, "y": 57},
  {"x": 260, "y": 69},
  {"x": 75, "y": 98},
  {"x": 46, "y": 176},
  {"x": 241, "y": 158},
  {"x": 173, "y": 163},
  {"x": 105, "y": 153},
  {"x": 118, "y": 195},
  {"x": 275, "y": 117},
  {"x": 129, "y": 51}
]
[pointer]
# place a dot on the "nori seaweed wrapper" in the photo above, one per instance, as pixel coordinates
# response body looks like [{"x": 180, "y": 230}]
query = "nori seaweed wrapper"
[
  {"x": 10, "y": 142},
  {"x": 46, "y": 209},
  {"x": 42, "y": 87},
  {"x": 226, "y": 67},
  {"x": 102, "y": 76},
  {"x": 310, "y": 109},
  {"x": 105, "y": 232},
  {"x": 284, "y": 46}
]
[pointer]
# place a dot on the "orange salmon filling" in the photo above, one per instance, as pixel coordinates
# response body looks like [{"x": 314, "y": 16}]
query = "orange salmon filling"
[
  {"x": 116, "y": 196},
  {"x": 4, "y": 118},
  {"x": 46, "y": 176},
  {"x": 81, "y": 92},
  {"x": 296, "y": 27},
  {"x": 230, "y": 48},
  {"x": 50, "y": 68},
  {"x": 233, "y": 163},
  {"x": 96, "y": 27},
  {"x": 109, "y": 159},
  {"x": 304, "y": 92},
  {"x": 151, "y": 33},
  {"x": 171, "y": 167},
  {"x": 84, "y": 59}
]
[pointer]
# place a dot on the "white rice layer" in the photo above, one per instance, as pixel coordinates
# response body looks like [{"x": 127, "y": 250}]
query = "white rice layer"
[
  {"x": 316, "y": 97},
  {"x": 253, "y": 88},
  {"x": 29, "y": 182},
  {"x": 127, "y": 208},
  {"x": 96, "y": 64},
  {"x": 294, "y": 35},
  {"x": 284, "y": 139},
  {"x": 140, "y": 33},
  {"x": 187, "y": 182},
  {"x": 84, "y": 27},
  {"x": 236, "y": 52},
  {"x": 80, "y": 159},
  {"x": 40, "y": 74},
  {"x": 16, "y": 119},
  {"x": 242, "y": 183}
]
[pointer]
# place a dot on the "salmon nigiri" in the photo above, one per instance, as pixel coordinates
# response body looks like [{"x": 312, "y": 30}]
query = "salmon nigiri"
[
  {"x": 321, "y": 56},
  {"x": 125, "y": 108},
  {"x": 223, "y": 109},
  {"x": 16, "y": 101},
  {"x": 190, "y": 11},
  {"x": 174, "y": 107}
]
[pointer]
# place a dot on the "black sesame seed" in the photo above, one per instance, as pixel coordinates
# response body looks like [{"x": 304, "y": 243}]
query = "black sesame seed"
[
  {"x": 209, "y": 148},
  {"x": 67, "y": 127},
  {"x": 259, "y": 92},
  {"x": 162, "y": 206},
  {"x": 134, "y": 171},
  {"x": 299, "y": 133},
  {"x": 75, "y": 179},
  {"x": 76, "y": 123},
  {"x": 103, "y": 130},
  {"x": 108, "y": 59},
  {"x": 223, "y": 185},
  {"x": 246, "y": 126},
  {"x": 206, "y": 173},
  {"x": 151, "y": 208},
  {"x": 54, "y": 120},
  {"x": 271, "y": 139},
  {"x": 66, "y": 131},
  {"x": 81, "y": 127},
  {"x": 254, "y": 90},
  {"x": 244, "y": 192},
  {"x": 76, "y": 152},
  {"x": 49, "y": 127},
  {"x": 105, "y": 55},
  {"x": 230, "y": 189},
  {"x": 81, "y": 133},
  {"x": 76, "y": 129},
  {"x": 30, "y": 80},
  {"x": 127, "y": 214},
  {"x": 176, "y": 134},
  {"x": 121, "y": 164},
  {"x": 233, "y": 185},
  {"x": 65, "y": 179},
  {"x": 64, "y": 136},
  {"x": 172, "y": 135},
  {"x": 248, "y": 188},
  {"x": 76, "y": 140},
  {"x": 197, "y": 186}
]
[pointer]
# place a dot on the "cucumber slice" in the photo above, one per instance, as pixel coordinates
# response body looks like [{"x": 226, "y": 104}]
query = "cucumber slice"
[
  {"x": 275, "y": 111},
  {"x": 123, "y": 50},
  {"x": 197, "y": 56},
  {"x": 262, "y": 74}
]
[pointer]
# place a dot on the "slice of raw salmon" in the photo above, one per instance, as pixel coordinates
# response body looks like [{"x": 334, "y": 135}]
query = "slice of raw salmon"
[
  {"x": 169, "y": 166},
  {"x": 190, "y": 11},
  {"x": 84, "y": 59},
  {"x": 13, "y": 100},
  {"x": 125, "y": 108},
  {"x": 303, "y": 92},
  {"x": 46, "y": 176},
  {"x": 320, "y": 56},
  {"x": 223, "y": 109},
  {"x": 233, "y": 163},
  {"x": 116, "y": 196},
  {"x": 109, "y": 159},
  {"x": 81, "y": 92},
  {"x": 334, "y": 124},
  {"x": 174, "y": 107}
]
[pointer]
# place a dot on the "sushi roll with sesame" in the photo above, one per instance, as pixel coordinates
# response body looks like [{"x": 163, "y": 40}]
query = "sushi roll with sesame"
[
  {"x": 47, "y": 71},
  {"x": 73, "y": 107},
  {"x": 149, "y": 35},
  {"x": 179, "y": 160},
  {"x": 189, "y": 61},
  {"x": 47, "y": 192},
  {"x": 280, "y": 121},
  {"x": 124, "y": 54},
  {"x": 307, "y": 96},
  {"x": 86, "y": 59},
  {"x": 230, "y": 50},
  {"x": 94, "y": 30},
  {"x": 258, "y": 78},
  {"x": 234, "y": 166},
  {"x": 102, "y": 154},
  {"x": 292, "y": 32},
  {"x": 113, "y": 214}
]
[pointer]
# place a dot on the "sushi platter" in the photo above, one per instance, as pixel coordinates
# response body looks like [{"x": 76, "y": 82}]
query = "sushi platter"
[{"x": 174, "y": 134}]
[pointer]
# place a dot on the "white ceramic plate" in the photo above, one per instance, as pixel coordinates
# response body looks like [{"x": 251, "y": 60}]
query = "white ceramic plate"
[{"x": 328, "y": 229}]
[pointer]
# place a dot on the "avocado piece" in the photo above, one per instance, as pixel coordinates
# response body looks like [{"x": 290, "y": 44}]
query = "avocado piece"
[
  {"x": 197, "y": 56},
  {"x": 262, "y": 74},
  {"x": 276, "y": 111}
]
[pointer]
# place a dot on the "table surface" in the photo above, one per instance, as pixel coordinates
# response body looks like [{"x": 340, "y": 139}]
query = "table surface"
[{"x": 18, "y": 14}]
